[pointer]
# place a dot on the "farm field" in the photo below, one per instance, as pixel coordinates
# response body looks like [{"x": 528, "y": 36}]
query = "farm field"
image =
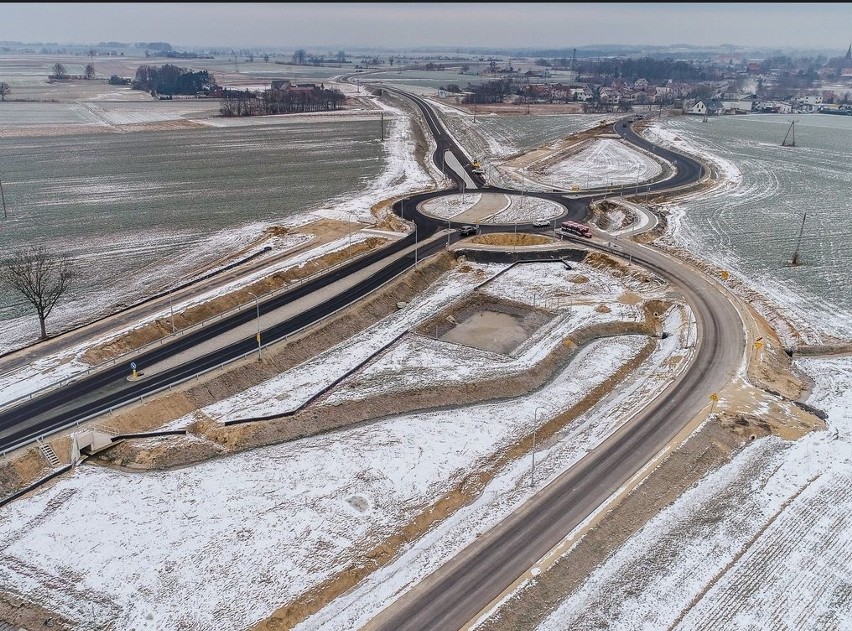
[{"x": 761, "y": 538}]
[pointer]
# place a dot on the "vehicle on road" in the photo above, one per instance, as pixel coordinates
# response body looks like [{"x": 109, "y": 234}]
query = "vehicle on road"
[
  {"x": 466, "y": 231},
  {"x": 539, "y": 223},
  {"x": 579, "y": 229}
]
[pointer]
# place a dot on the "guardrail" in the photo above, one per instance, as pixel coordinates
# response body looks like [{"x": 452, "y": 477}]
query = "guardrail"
[
  {"x": 8, "y": 405},
  {"x": 169, "y": 387}
]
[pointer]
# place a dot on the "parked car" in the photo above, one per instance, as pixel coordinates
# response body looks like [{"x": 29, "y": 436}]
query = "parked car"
[{"x": 466, "y": 231}]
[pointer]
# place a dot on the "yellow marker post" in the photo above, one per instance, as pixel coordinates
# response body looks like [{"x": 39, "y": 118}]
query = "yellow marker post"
[{"x": 713, "y": 398}]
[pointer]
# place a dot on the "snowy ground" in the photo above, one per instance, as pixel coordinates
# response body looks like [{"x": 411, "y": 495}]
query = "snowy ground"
[
  {"x": 222, "y": 544},
  {"x": 403, "y": 176},
  {"x": 185, "y": 554},
  {"x": 765, "y": 542}
]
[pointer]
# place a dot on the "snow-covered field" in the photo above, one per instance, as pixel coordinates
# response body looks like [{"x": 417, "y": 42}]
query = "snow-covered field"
[
  {"x": 762, "y": 543},
  {"x": 185, "y": 553}
]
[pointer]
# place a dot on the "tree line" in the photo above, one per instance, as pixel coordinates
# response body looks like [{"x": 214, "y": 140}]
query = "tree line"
[
  {"x": 246, "y": 103},
  {"x": 171, "y": 79}
]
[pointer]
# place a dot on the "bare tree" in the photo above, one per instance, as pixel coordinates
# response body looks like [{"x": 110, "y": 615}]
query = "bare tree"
[
  {"x": 40, "y": 278},
  {"x": 90, "y": 71},
  {"x": 59, "y": 72},
  {"x": 5, "y": 90}
]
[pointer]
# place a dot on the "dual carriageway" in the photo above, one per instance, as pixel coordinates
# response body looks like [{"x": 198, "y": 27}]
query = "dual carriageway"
[{"x": 460, "y": 590}]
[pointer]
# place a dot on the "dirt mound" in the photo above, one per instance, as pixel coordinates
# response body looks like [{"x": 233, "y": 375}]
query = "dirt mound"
[
  {"x": 510, "y": 239},
  {"x": 161, "y": 452}
]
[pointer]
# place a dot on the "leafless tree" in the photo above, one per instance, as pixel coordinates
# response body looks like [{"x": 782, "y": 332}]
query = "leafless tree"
[
  {"x": 59, "y": 72},
  {"x": 90, "y": 71},
  {"x": 40, "y": 278},
  {"x": 5, "y": 90}
]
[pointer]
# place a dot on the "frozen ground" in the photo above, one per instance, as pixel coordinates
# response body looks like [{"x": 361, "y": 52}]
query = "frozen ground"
[
  {"x": 763, "y": 543},
  {"x": 186, "y": 554}
]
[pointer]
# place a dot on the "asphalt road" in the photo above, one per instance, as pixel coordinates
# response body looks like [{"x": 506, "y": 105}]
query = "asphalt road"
[
  {"x": 110, "y": 388},
  {"x": 459, "y": 590},
  {"x": 456, "y": 593}
]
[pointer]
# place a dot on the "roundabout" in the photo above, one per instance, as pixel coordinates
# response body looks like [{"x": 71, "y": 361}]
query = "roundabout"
[{"x": 486, "y": 208}]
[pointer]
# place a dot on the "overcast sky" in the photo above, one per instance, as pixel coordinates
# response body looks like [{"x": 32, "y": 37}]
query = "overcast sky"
[{"x": 335, "y": 26}]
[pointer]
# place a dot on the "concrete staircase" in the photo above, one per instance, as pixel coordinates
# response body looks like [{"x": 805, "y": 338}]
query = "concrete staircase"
[{"x": 49, "y": 454}]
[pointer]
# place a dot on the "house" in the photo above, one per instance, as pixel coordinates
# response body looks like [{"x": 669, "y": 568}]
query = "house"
[
  {"x": 609, "y": 96},
  {"x": 708, "y": 107},
  {"x": 284, "y": 85},
  {"x": 581, "y": 94},
  {"x": 809, "y": 103},
  {"x": 744, "y": 106},
  {"x": 772, "y": 107}
]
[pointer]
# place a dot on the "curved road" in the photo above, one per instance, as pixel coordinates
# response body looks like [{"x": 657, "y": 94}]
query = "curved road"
[
  {"x": 457, "y": 592},
  {"x": 461, "y": 588}
]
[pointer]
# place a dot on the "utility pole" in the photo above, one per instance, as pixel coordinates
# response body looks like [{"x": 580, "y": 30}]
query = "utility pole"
[
  {"x": 3, "y": 197},
  {"x": 532, "y": 471},
  {"x": 795, "y": 260},
  {"x": 383, "y": 126}
]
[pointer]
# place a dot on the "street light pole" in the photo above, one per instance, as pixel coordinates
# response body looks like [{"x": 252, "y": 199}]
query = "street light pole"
[
  {"x": 532, "y": 471},
  {"x": 172, "y": 312},
  {"x": 257, "y": 334},
  {"x": 416, "y": 243},
  {"x": 349, "y": 231}
]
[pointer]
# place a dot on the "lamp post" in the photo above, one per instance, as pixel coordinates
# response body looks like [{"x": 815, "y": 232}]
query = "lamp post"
[
  {"x": 349, "y": 231},
  {"x": 689, "y": 329},
  {"x": 515, "y": 240},
  {"x": 171, "y": 312},
  {"x": 416, "y": 243},
  {"x": 257, "y": 334},
  {"x": 532, "y": 470}
]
